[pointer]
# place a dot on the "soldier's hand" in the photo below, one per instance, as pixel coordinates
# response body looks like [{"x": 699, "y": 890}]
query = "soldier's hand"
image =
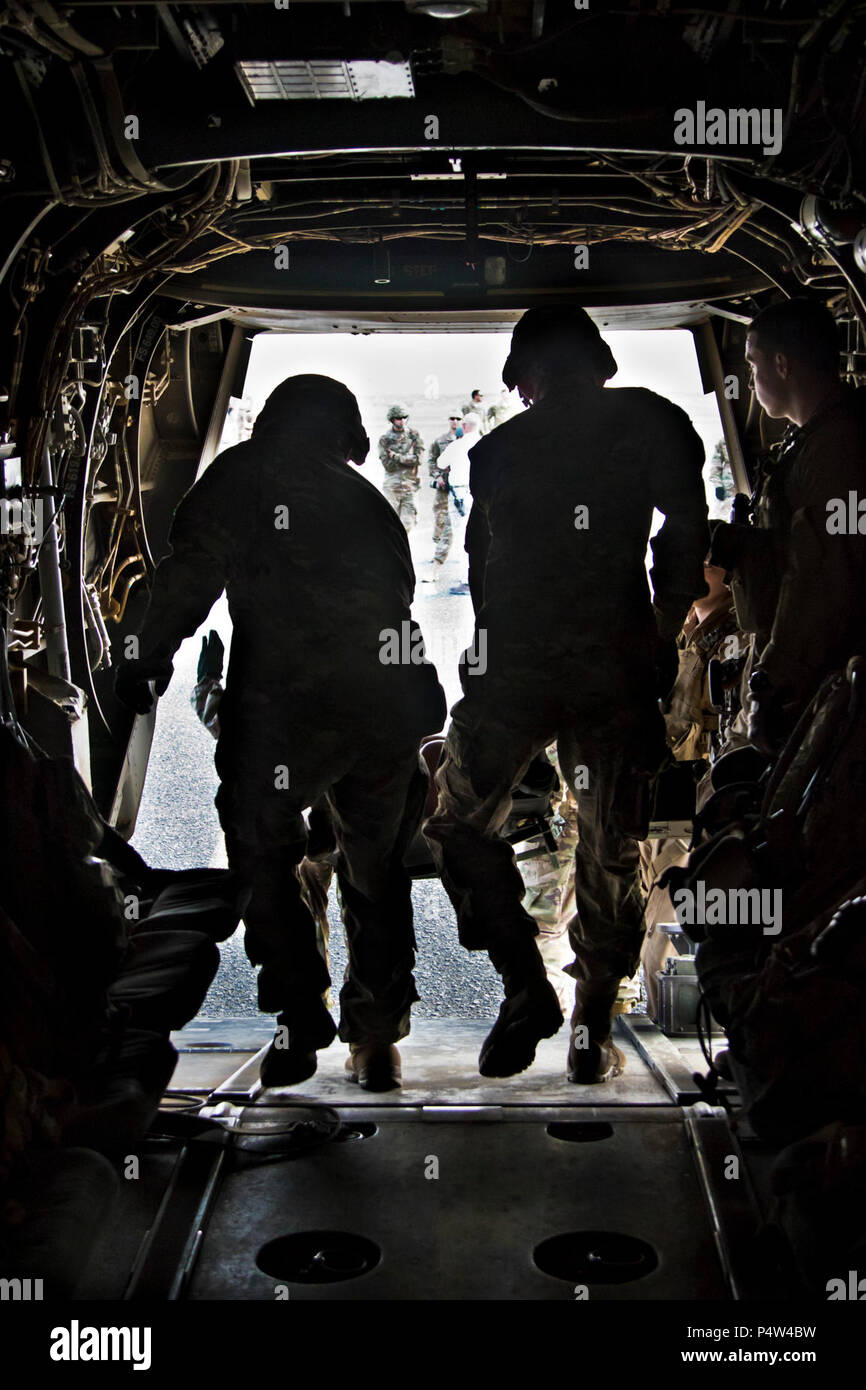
[
  {"x": 767, "y": 722},
  {"x": 726, "y": 546},
  {"x": 210, "y": 662},
  {"x": 667, "y": 664},
  {"x": 132, "y": 680}
]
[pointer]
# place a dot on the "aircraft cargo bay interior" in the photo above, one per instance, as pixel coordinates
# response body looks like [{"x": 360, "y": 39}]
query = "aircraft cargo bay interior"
[{"x": 432, "y": 552}]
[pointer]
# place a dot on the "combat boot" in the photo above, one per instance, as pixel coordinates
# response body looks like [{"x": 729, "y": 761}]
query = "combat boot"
[
  {"x": 375, "y": 1066},
  {"x": 592, "y": 1056},
  {"x": 309, "y": 1030},
  {"x": 529, "y": 1012}
]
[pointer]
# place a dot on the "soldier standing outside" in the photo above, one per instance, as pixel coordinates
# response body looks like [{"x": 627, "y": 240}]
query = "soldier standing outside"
[
  {"x": 501, "y": 410},
  {"x": 400, "y": 452},
  {"x": 316, "y": 567},
  {"x": 576, "y": 651},
  {"x": 475, "y": 406},
  {"x": 455, "y": 462},
  {"x": 443, "y": 533}
]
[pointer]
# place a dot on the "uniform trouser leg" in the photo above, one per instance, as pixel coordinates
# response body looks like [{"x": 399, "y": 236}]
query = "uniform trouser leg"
[
  {"x": 376, "y": 812},
  {"x": 315, "y": 879},
  {"x": 607, "y": 928},
  {"x": 549, "y": 881},
  {"x": 442, "y": 529},
  {"x": 655, "y": 857},
  {"x": 266, "y": 781},
  {"x": 408, "y": 514},
  {"x": 280, "y": 931},
  {"x": 484, "y": 760},
  {"x": 401, "y": 496}
]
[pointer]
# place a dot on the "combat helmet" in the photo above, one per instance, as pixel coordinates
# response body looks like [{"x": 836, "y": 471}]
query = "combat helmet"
[
  {"x": 400, "y": 410},
  {"x": 557, "y": 334},
  {"x": 310, "y": 403}
]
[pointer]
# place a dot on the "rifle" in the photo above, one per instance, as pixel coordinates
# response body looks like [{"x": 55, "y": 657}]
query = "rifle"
[{"x": 459, "y": 504}]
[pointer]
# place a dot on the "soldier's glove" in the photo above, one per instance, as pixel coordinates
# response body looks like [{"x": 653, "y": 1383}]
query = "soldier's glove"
[
  {"x": 767, "y": 722},
  {"x": 132, "y": 679},
  {"x": 667, "y": 664},
  {"x": 727, "y": 545},
  {"x": 210, "y": 663}
]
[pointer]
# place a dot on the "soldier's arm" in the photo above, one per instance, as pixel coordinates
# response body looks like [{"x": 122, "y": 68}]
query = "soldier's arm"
[
  {"x": 386, "y": 455},
  {"x": 477, "y": 539},
  {"x": 477, "y": 544},
  {"x": 822, "y": 585},
  {"x": 435, "y": 451},
  {"x": 189, "y": 581},
  {"x": 680, "y": 546}
]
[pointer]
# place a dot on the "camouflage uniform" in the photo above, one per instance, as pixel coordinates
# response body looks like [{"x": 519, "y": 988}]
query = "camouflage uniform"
[
  {"x": 400, "y": 455},
  {"x": 720, "y": 475},
  {"x": 549, "y": 900},
  {"x": 797, "y": 587},
  {"x": 443, "y": 533},
  {"x": 309, "y": 708},
  {"x": 692, "y": 726},
  {"x": 570, "y": 640},
  {"x": 471, "y": 408},
  {"x": 691, "y": 721},
  {"x": 499, "y": 413},
  {"x": 549, "y": 896}
]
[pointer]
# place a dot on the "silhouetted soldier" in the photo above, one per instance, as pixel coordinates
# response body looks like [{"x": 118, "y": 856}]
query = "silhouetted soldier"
[
  {"x": 563, "y": 498},
  {"x": 799, "y": 571},
  {"x": 317, "y": 571}
]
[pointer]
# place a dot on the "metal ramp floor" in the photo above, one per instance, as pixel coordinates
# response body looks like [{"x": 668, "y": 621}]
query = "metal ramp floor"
[
  {"x": 440, "y": 1067},
  {"x": 456, "y": 1187}
]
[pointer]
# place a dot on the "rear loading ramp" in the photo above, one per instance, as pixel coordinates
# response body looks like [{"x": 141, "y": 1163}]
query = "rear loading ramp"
[
  {"x": 455, "y": 1187},
  {"x": 527, "y": 1203},
  {"x": 440, "y": 1067}
]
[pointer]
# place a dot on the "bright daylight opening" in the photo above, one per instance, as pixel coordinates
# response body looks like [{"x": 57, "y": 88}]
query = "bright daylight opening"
[{"x": 433, "y": 376}]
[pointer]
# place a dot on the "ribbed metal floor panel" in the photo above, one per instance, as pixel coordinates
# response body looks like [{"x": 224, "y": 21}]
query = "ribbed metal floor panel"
[{"x": 505, "y": 1184}]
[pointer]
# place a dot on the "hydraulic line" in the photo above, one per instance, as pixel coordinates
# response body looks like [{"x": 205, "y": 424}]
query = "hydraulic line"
[{"x": 54, "y": 612}]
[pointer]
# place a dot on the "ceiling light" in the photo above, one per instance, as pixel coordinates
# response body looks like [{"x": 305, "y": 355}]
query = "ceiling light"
[
  {"x": 318, "y": 79},
  {"x": 446, "y": 9},
  {"x": 381, "y": 264}
]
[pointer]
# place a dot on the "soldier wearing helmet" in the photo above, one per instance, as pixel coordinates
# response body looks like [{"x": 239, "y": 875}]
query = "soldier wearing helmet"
[
  {"x": 577, "y": 652},
  {"x": 311, "y": 709},
  {"x": 400, "y": 452}
]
